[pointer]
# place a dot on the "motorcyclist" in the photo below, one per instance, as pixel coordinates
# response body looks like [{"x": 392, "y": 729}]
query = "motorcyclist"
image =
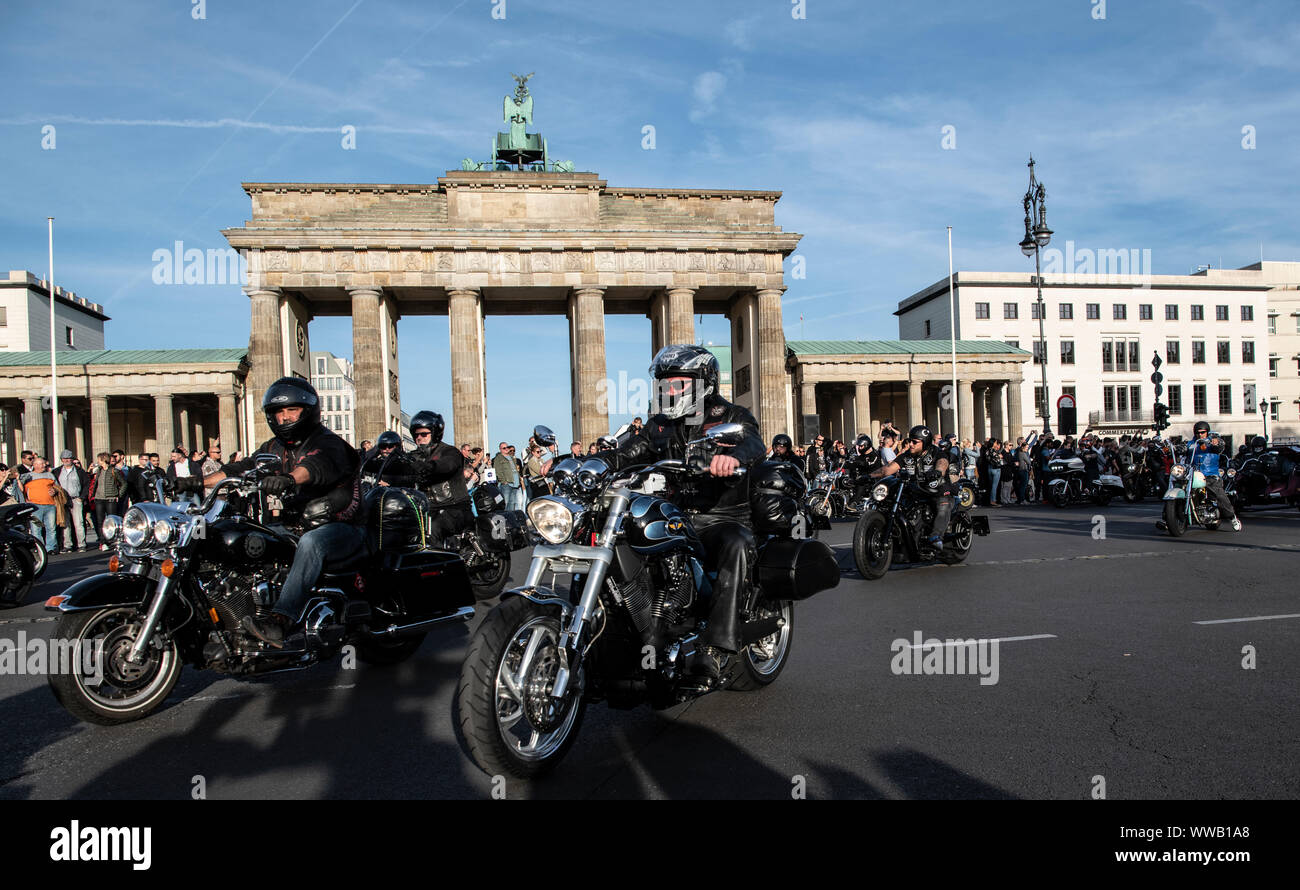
[
  {"x": 927, "y": 466},
  {"x": 783, "y": 450},
  {"x": 1156, "y": 457},
  {"x": 387, "y": 464},
  {"x": 686, "y": 379},
  {"x": 861, "y": 463},
  {"x": 316, "y": 477},
  {"x": 440, "y": 467},
  {"x": 1207, "y": 456}
]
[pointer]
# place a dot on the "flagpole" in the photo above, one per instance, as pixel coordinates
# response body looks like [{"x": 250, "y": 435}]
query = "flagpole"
[
  {"x": 55, "y": 444},
  {"x": 952, "y": 338}
]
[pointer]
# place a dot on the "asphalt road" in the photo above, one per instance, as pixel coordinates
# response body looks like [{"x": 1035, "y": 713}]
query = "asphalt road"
[{"x": 1119, "y": 679}]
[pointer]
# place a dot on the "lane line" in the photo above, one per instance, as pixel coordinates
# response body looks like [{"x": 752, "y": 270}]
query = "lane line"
[
  {"x": 986, "y": 640},
  {"x": 1254, "y": 618}
]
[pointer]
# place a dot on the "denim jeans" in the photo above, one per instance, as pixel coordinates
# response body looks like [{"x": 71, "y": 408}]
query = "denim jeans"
[
  {"x": 74, "y": 533},
  {"x": 45, "y": 514},
  {"x": 995, "y": 485},
  {"x": 514, "y": 495},
  {"x": 332, "y": 546}
]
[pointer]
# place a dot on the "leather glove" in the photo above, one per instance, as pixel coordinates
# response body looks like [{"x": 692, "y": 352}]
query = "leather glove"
[
  {"x": 278, "y": 484},
  {"x": 188, "y": 485}
]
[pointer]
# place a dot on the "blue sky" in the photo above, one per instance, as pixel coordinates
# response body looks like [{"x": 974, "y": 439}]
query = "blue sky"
[{"x": 1136, "y": 120}]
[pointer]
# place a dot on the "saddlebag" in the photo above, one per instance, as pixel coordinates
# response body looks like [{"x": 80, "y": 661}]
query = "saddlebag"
[
  {"x": 795, "y": 569},
  {"x": 776, "y": 492},
  {"x": 503, "y": 531},
  {"x": 488, "y": 498},
  {"x": 398, "y": 517},
  {"x": 428, "y": 582}
]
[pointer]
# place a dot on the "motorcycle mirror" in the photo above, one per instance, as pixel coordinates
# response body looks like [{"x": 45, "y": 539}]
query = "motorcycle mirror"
[
  {"x": 543, "y": 435},
  {"x": 265, "y": 458},
  {"x": 729, "y": 434}
]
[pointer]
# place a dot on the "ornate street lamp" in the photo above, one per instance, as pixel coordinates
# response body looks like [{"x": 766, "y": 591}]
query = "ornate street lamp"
[{"x": 1038, "y": 236}]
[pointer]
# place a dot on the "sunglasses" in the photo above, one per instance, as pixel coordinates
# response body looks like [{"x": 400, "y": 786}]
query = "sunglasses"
[{"x": 424, "y": 435}]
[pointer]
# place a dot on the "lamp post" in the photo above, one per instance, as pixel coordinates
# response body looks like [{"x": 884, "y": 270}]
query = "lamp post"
[{"x": 1038, "y": 236}]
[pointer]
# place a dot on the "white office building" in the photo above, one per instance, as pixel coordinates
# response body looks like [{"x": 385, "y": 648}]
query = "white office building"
[
  {"x": 25, "y": 316},
  {"x": 1211, "y": 331},
  {"x": 332, "y": 377}
]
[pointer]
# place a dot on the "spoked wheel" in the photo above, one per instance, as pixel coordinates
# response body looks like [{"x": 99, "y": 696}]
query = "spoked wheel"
[
  {"x": 958, "y": 548},
  {"x": 488, "y": 573},
  {"x": 1132, "y": 491},
  {"x": 873, "y": 550},
  {"x": 17, "y": 576},
  {"x": 113, "y": 690},
  {"x": 1175, "y": 518},
  {"x": 1058, "y": 496},
  {"x": 40, "y": 557},
  {"x": 820, "y": 505},
  {"x": 763, "y": 660},
  {"x": 508, "y": 718}
]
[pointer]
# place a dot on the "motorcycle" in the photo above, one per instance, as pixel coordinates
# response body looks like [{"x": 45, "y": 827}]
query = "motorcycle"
[
  {"x": 485, "y": 545},
  {"x": 831, "y": 495},
  {"x": 1070, "y": 484},
  {"x": 1187, "y": 502},
  {"x": 17, "y": 569},
  {"x": 1271, "y": 478},
  {"x": 183, "y": 576},
  {"x": 17, "y": 519},
  {"x": 625, "y": 629},
  {"x": 895, "y": 526}
]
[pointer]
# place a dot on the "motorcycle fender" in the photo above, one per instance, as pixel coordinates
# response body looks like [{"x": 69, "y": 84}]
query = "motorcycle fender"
[
  {"x": 103, "y": 591},
  {"x": 1055, "y": 483},
  {"x": 543, "y": 596},
  {"x": 980, "y": 525},
  {"x": 1174, "y": 494}
]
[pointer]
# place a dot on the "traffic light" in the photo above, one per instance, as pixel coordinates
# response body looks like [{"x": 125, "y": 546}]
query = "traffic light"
[{"x": 1161, "y": 417}]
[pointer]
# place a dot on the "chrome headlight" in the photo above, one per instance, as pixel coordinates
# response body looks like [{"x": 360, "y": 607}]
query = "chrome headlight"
[
  {"x": 112, "y": 528},
  {"x": 163, "y": 531},
  {"x": 552, "y": 518},
  {"x": 135, "y": 527},
  {"x": 1178, "y": 472},
  {"x": 880, "y": 492}
]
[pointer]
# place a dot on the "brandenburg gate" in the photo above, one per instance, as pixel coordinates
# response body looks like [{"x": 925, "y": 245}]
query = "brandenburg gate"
[{"x": 525, "y": 236}]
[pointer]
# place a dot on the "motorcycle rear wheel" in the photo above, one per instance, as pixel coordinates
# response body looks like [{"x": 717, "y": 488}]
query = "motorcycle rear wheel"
[
  {"x": 958, "y": 549},
  {"x": 873, "y": 552},
  {"x": 487, "y": 574},
  {"x": 762, "y": 661},
  {"x": 504, "y": 693},
  {"x": 18, "y": 576}
]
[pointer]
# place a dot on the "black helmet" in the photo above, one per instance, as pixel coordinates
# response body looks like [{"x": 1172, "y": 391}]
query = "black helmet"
[
  {"x": 292, "y": 392},
  {"x": 388, "y": 439},
  {"x": 1201, "y": 427},
  {"x": 431, "y": 421},
  {"x": 1258, "y": 443},
  {"x": 605, "y": 443},
  {"x": 685, "y": 360},
  {"x": 920, "y": 431},
  {"x": 782, "y": 440},
  {"x": 863, "y": 444}
]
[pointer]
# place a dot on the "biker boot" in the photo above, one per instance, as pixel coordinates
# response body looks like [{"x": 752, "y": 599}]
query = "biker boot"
[
  {"x": 270, "y": 630},
  {"x": 706, "y": 666}
]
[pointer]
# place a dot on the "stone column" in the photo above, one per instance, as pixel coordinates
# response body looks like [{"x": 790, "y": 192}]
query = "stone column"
[
  {"x": 100, "y": 439},
  {"x": 183, "y": 427},
  {"x": 34, "y": 427},
  {"x": 769, "y": 375},
  {"x": 265, "y": 348},
  {"x": 79, "y": 439},
  {"x": 914, "y": 415},
  {"x": 966, "y": 408},
  {"x": 14, "y": 434},
  {"x": 808, "y": 420},
  {"x": 862, "y": 407},
  {"x": 368, "y": 361},
  {"x": 227, "y": 424},
  {"x": 587, "y": 358},
  {"x": 164, "y": 431},
  {"x": 999, "y": 428},
  {"x": 200, "y": 432},
  {"x": 981, "y": 426},
  {"x": 468, "y": 389},
  {"x": 672, "y": 317},
  {"x": 1015, "y": 410}
]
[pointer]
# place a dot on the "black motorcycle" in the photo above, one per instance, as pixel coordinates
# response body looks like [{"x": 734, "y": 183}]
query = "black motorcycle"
[
  {"x": 17, "y": 518},
  {"x": 624, "y": 630},
  {"x": 184, "y": 576},
  {"x": 895, "y": 527},
  {"x": 17, "y": 567},
  {"x": 1069, "y": 484},
  {"x": 485, "y": 545}
]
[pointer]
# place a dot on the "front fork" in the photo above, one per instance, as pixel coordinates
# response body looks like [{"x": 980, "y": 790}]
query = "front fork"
[{"x": 151, "y": 621}]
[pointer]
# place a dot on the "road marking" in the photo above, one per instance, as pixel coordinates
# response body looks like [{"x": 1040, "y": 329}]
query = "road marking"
[
  {"x": 1255, "y": 618},
  {"x": 254, "y": 694},
  {"x": 40, "y": 620},
  {"x": 988, "y": 640},
  {"x": 1023, "y": 528}
]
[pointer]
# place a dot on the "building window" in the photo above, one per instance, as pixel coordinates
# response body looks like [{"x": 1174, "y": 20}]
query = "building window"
[
  {"x": 1198, "y": 398},
  {"x": 1272, "y": 324},
  {"x": 927, "y": 327},
  {"x": 1247, "y": 313},
  {"x": 1015, "y": 344},
  {"x": 1039, "y": 397},
  {"x": 1040, "y": 349},
  {"x": 1094, "y": 311},
  {"x": 320, "y": 366},
  {"x": 1146, "y": 312},
  {"x": 1198, "y": 313},
  {"x": 1135, "y": 399},
  {"x": 1067, "y": 311},
  {"x": 1107, "y": 355},
  {"x": 1175, "y": 399},
  {"x": 4, "y": 316},
  {"x": 1120, "y": 355},
  {"x": 1225, "y": 398},
  {"x": 1171, "y": 352},
  {"x": 1120, "y": 312},
  {"x": 1171, "y": 312},
  {"x": 1225, "y": 352},
  {"x": 67, "y": 336},
  {"x": 1198, "y": 352},
  {"x": 1248, "y": 352},
  {"x": 1034, "y": 311},
  {"x": 1108, "y": 399},
  {"x": 981, "y": 310},
  {"x": 1272, "y": 367},
  {"x": 1010, "y": 310},
  {"x": 1133, "y": 355},
  {"x": 1067, "y": 390},
  {"x": 1220, "y": 313},
  {"x": 1067, "y": 352}
]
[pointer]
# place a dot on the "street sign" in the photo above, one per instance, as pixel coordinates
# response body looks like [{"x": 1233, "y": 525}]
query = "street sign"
[
  {"x": 1157, "y": 377},
  {"x": 1155, "y": 361},
  {"x": 1067, "y": 415}
]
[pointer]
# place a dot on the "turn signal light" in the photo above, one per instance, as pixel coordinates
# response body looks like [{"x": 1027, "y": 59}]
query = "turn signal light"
[
  {"x": 167, "y": 567},
  {"x": 213, "y": 614},
  {"x": 114, "y": 563},
  {"x": 55, "y": 601}
]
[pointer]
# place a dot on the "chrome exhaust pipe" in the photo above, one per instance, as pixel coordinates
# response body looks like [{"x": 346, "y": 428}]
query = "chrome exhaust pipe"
[{"x": 464, "y": 613}]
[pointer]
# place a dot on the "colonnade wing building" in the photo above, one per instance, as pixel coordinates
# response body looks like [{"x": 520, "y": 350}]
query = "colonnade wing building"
[{"x": 522, "y": 242}]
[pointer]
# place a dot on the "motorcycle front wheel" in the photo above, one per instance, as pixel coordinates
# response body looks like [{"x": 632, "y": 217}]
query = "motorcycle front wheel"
[
  {"x": 114, "y": 690},
  {"x": 873, "y": 551},
  {"x": 1056, "y": 494},
  {"x": 763, "y": 660},
  {"x": 508, "y": 720},
  {"x": 1175, "y": 518}
]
